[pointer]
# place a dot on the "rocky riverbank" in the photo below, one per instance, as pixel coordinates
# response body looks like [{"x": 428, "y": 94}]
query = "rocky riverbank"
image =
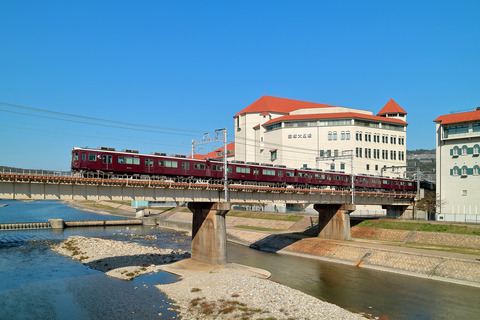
[{"x": 205, "y": 291}]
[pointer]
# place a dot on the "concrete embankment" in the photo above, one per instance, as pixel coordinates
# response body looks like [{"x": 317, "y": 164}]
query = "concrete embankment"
[{"x": 378, "y": 249}]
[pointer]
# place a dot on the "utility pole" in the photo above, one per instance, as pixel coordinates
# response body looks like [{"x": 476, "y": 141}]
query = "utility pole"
[
  {"x": 217, "y": 138},
  {"x": 346, "y": 154}
]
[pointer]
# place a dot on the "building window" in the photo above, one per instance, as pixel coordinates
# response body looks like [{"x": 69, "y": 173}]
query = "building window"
[
  {"x": 332, "y": 166},
  {"x": 348, "y": 135},
  {"x": 376, "y": 167},
  {"x": 330, "y": 136},
  {"x": 476, "y": 149},
  {"x": 464, "y": 171},
  {"x": 334, "y": 135},
  {"x": 476, "y": 127},
  {"x": 273, "y": 155},
  {"x": 464, "y": 150},
  {"x": 342, "y": 135},
  {"x": 322, "y": 153},
  {"x": 368, "y": 167},
  {"x": 455, "y": 130},
  {"x": 342, "y": 166},
  {"x": 335, "y": 153},
  {"x": 476, "y": 170}
]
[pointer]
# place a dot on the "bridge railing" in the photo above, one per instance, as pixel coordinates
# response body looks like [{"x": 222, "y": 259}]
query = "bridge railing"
[{"x": 35, "y": 172}]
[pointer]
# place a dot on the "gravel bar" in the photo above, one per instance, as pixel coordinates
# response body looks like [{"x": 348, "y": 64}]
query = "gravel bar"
[{"x": 220, "y": 293}]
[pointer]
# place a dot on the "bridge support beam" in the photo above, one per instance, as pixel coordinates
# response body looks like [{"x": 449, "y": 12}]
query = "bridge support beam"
[
  {"x": 334, "y": 220},
  {"x": 209, "y": 234}
]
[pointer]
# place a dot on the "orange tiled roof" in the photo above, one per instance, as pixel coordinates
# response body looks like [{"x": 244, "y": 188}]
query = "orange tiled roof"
[
  {"x": 213, "y": 154},
  {"x": 339, "y": 115},
  {"x": 459, "y": 117},
  {"x": 279, "y": 105},
  {"x": 391, "y": 107}
]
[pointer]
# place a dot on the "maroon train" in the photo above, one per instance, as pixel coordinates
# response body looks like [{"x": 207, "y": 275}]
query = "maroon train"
[{"x": 130, "y": 162}]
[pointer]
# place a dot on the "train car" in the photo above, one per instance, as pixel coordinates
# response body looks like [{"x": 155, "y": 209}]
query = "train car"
[{"x": 159, "y": 165}]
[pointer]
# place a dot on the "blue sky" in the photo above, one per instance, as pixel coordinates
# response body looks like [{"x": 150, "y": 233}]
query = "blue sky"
[{"x": 192, "y": 65}]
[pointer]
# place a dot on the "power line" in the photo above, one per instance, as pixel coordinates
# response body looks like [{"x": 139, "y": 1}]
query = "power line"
[
  {"x": 10, "y": 105},
  {"x": 98, "y": 124}
]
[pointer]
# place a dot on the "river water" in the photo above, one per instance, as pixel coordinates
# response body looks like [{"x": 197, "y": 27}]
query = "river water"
[{"x": 38, "y": 284}]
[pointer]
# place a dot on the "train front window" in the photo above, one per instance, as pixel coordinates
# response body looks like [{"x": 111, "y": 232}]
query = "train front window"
[{"x": 75, "y": 156}]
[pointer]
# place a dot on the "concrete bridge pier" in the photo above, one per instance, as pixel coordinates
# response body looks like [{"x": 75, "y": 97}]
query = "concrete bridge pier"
[
  {"x": 209, "y": 234},
  {"x": 400, "y": 212},
  {"x": 334, "y": 220}
]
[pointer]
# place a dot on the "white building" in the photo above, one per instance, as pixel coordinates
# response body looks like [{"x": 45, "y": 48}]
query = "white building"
[
  {"x": 310, "y": 135},
  {"x": 458, "y": 166}
]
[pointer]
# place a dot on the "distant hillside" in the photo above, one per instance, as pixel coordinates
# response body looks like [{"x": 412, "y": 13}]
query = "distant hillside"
[{"x": 423, "y": 159}]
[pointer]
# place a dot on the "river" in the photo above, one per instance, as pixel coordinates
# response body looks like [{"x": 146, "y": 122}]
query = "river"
[{"x": 38, "y": 284}]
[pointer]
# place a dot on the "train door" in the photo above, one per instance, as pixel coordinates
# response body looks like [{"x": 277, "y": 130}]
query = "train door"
[
  {"x": 107, "y": 160},
  {"x": 208, "y": 172},
  {"x": 148, "y": 165}
]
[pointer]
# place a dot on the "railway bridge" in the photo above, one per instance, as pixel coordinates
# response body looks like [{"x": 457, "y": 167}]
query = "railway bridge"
[{"x": 206, "y": 201}]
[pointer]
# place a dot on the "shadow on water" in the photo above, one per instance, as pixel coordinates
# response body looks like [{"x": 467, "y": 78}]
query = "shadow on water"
[{"x": 142, "y": 260}]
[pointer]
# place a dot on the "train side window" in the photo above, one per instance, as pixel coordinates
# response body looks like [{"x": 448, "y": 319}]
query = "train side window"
[
  {"x": 290, "y": 174},
  {"x": 92, "y": 157},
  {"x": 161, "y": 163},
  {"x": 242, "y": 170},
  {"x": 280, "y": 173},
  {"x": 329, "y": 177},
  {"x": 185, "y": 166},
  {"x": 310, "y": 176},
  {"x": 121, "y": 160},
  {"x": 136, "y": 161},
  {"x": 268, "y": 172},
  {"x": 199, "y": 166},
  {"x": 385, "y": 182},
  {"x": 84, "y": 156},
  {"x": 129, "y": 160},
  {"x": 346, "y": 179},
  {"x": 217, "y": 167},
  {"x": 256, "y": 172},
  {"x": 171, "y": 164},
  {"x": 319, "y": 176}
]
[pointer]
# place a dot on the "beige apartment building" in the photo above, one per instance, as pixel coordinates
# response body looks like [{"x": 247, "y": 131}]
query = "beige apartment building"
[
  {"x": 458, "y": 167},
  {"x": 302, "y": 134}
]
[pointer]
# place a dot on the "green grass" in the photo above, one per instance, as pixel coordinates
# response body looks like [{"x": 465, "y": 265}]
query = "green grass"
[
  {"x": 265, "y": 216},
  {"x": 420, "y": 226},
  {"x": 258, "y": 228}
]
